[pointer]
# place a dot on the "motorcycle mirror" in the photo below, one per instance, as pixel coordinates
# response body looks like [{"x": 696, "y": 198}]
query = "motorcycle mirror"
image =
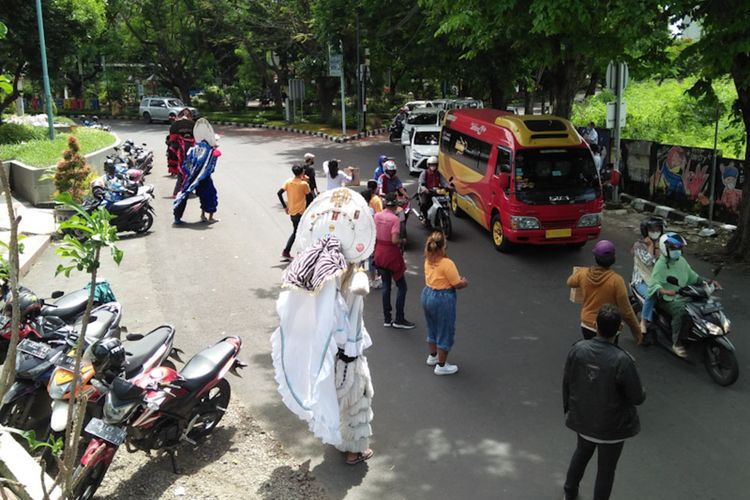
[
  {"x": 673, "y": 281},
  {"x": 57, "y": 294}
]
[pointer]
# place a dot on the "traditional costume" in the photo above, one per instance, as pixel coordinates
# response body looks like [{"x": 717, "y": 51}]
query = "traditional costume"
[
  {"x": 196, "y": 171},
  {"x": 318, "y": 349}
]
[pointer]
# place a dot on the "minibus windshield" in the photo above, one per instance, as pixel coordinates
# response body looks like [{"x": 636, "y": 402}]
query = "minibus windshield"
[{"x": 549, "y": 176}]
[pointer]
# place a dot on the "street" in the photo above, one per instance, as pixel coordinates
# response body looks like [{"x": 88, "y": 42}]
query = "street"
[{"x": 496, "y": 429}]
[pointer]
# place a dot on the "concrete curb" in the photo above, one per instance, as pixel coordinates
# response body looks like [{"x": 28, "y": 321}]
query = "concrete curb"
[
  {"x": 672, "y": 214},
  {"x": 333, "y": 138}
]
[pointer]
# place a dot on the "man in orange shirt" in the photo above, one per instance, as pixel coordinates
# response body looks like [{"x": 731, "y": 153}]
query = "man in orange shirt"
[{"x": 297, "y": 190}]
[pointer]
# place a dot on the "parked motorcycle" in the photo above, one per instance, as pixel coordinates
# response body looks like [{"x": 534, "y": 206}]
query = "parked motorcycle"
[
  {"x": 705, "y": 330},
  {"x": 139, "y": 157},
  {"x": 159, "y": 411},
  {"x": 438, "y": 214},
  {"x": 130, "y": 214}
]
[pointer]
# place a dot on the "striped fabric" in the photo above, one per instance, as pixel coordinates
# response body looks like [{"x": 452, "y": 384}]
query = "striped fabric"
[{"x": 316, "y": 264}]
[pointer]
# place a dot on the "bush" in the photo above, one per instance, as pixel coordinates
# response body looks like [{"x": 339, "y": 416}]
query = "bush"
[
  {"x": 214, "y": 97},
  {"x": 12, "y": 133},
  {"x": 237, "y": 99},
  {"x": 72, "y": 172}
]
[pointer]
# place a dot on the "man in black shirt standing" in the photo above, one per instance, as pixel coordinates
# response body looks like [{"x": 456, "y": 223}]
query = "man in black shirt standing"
[{"x": 601, "y": 389}]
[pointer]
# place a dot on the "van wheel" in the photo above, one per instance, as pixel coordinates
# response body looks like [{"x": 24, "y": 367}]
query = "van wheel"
[
  {"x": 454, "y": 206},
  {"x": 147, "y": 117},
  {"x": 499, "y": 240}
]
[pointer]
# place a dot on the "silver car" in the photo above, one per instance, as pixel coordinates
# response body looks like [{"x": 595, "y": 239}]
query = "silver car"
[{"x": 162, "y": 108}]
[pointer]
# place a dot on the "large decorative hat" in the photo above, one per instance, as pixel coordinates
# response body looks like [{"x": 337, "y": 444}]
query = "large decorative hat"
[
  {"x": 203, "y": 131},
  {"x": 344, "y": 214}
]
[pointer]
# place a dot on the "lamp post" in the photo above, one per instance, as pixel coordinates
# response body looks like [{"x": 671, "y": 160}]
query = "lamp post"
[{"x": 45, "y": 75}]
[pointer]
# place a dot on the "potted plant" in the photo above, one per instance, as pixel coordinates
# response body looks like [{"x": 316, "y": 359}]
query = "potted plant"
[{"x": 71, "y": 175}]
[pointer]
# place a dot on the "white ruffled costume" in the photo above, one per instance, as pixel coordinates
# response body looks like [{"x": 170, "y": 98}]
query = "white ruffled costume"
[{"x": 320, "y": 311}]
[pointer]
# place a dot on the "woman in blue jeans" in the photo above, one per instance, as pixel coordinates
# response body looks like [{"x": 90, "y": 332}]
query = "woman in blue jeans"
[{"x": 439, "y": 302}]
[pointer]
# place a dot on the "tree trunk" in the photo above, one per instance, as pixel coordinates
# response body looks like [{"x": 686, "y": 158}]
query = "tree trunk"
[
  {"x": 326, "y": 87},
  {"x": 528, "y": 102},
  {"x": 739, "y": 244},
  {"x": 593, "y": 81}
]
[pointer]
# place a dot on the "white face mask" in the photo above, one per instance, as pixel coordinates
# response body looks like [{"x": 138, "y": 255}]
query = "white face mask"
[{"x": 654, "y": 235}]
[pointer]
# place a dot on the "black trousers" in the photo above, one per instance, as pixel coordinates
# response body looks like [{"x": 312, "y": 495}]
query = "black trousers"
[
  {"x": 607, "y": 459},
  {"x": 295, "y": 223}
]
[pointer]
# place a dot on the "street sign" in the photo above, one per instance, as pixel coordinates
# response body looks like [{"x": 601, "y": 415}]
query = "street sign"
[
  {"x": 335, "y": 63},
  {"x": 612, "y": 78},
  {"x": 611, "y": 114},
  {"x": 296, "y": 89}
]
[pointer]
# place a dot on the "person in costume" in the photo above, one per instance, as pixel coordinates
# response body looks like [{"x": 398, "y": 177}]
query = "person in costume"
[
  {"x": 318, "y": 350},
  {"x": 179, "y": 141},
  {"x": 196, "y": 172}
]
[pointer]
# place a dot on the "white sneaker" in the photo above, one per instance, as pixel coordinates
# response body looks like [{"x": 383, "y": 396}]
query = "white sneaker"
[
  {"x": 432, "y": 360},
  {"x": 679, "y": 350},
  {"x": 447, "y": 369},
  {"x": 377, "y": 283}
]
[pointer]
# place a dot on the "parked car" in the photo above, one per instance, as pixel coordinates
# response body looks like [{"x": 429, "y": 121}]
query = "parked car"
[
  {"x": 412, "y": 105},
  {"x": 464, "y": 102},
  {"x": 162, "y": 109},
  {"x": 424, "y": 143},
  {"x": 420, "y": 116}
]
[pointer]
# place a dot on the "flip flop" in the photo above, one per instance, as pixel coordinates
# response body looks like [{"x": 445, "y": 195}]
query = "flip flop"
[{"x": 361, "y": 457}]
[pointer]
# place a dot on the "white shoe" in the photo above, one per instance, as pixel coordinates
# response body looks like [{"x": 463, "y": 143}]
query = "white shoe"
[
  {"x": 447, "y": 369},
  {"x": 679, "y": 350},
  {"x": 377, "y": 283},
  {"x": 432, "y": 360}
]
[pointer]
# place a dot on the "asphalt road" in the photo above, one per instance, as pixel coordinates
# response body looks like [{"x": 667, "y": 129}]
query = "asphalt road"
[{"x": 496, "y": 429}]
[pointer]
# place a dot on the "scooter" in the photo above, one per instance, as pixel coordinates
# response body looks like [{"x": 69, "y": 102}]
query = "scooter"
[
  {"x": 159, "y": 412},
  {"x": 705, "y": 330},
  {"x": 438, "y": 214},
  {"x": 395, "y": 129},
  {"x": 134, "y": 213},
  {"x": 139, "y": 157}
]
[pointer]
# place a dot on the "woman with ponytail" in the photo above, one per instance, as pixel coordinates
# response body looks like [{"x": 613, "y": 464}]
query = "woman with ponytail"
[{"x": 439, "y": 302}]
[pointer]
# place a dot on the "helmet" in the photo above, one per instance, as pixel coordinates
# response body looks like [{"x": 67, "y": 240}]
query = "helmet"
[
  {"x": 432, "y": 160},
  {"x": 604, "y": 253},
  {"x": 109, "y": 167},
  {"x": 28, "y": 303},
  {"x": 670, "y": 241},
  {"x": 106, "y": 355},
  {"x": 404, "y": 109},
  {"x": 652, "y": 222},
  {"x": 390, "y": 168}
]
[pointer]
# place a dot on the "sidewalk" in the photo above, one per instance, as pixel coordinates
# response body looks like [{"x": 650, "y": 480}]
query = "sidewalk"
[{"x": 37, "y": 224}]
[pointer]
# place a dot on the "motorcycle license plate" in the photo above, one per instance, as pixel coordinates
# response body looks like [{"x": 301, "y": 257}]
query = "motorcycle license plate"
[
  {"x": 558, "y": 233},
  {"x": 66, "y": 362},
  {"x": 109, "y": 433},
  {"x": 36, "y": 349}
]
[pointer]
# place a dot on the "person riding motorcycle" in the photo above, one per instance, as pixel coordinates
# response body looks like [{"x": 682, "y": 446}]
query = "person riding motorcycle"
[
  {"x": 672, "y": 266},
  {"x": 429, "y": 180},
  {"x": 389, "y": 181},
  {"x": 379, "y": 169},
  {"x": 645, "y": 253}
]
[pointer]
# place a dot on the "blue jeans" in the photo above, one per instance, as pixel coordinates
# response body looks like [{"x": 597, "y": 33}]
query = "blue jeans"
[
  {"x": 387, "y": 276},
  {"x": 648, "y": 306},
  {"x": 440, "y": 313}
]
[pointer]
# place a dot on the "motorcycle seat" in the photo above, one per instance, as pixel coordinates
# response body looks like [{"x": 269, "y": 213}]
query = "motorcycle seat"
[
  {"x": 124, "y": 391},
  {"x": 138, "y": 352},
  {"x": 67, "y": 306},
  {"x": 98, "y": 328},
  {"x": 126, "y": 203},
  {"x": 206, "y": 365}
]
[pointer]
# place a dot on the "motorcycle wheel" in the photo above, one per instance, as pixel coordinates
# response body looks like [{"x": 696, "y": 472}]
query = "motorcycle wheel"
[
  {"x": 445, "y": 224},
  {"x": 209, "y": 411},
  {"x": 88, "y": 479},
  {"x": 147, "y": 221},
  {"x": 721, "y": 364}
]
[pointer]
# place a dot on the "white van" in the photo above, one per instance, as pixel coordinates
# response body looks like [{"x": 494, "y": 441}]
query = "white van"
[
  {"x": 420, "y": 116},
  {"x": 424, "y": 143}
]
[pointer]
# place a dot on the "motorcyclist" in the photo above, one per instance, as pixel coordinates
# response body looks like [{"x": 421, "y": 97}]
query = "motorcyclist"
[
  {"x": 389, "y": 181},
  {"x": 429, "y": 180},
  {"x": 645, "y": 253},
  {"x": 379, "y": 169},
  {"x": 672, "y": 266}
]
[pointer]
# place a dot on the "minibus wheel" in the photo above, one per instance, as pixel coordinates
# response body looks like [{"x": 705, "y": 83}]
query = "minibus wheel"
[
  {"x": 499, "y": 240},
  {"x": 454, "y": 206}
]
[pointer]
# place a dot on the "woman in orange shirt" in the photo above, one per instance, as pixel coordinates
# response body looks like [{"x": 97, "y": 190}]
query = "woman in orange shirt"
[{"x": 439, "y": 302}]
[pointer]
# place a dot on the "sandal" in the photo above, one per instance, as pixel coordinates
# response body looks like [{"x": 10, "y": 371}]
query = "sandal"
[
  {"x": 361, "y": 457},
  {"x": 203, "y": 218}
]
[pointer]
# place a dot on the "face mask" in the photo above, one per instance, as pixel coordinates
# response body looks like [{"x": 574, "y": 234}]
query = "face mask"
[
  {"x": 654, "y": 235},
  {"x": 675, "y": 254},
  {"x": 433, "y": 167}
]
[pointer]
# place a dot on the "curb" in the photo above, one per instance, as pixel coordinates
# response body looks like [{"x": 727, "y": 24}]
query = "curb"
[
  {"x": 669, "y": 213},
  {"x": 333, "y": 138}
]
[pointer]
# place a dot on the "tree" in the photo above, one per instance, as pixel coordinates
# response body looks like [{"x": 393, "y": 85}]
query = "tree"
[
  {"x": 67, "y": 24},
  {"x": 724, "y": 49}
]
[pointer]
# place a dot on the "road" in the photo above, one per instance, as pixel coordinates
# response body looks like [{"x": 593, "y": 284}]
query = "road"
[{"x": 496, "y": 429}]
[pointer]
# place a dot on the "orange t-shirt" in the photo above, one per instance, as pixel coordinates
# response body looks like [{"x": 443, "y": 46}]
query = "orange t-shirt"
[
  {"x": 376, "y": 203},
  {"x": 441, "y": 274},
  {"x": 296, "y": 192}
]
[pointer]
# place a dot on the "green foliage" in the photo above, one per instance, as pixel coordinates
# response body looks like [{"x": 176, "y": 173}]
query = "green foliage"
[
  {"x": 14, "y": 133},
  {"x": 4, "y": 264},
  {"x": 92, "y": 232},
  {"x": 237, "y": 98},
  {"x": 54, "y": 443},
  {"x": 43, "y": 153},
  {"x": 666, "y": 113},
  {"x": 214, "y": 97}
]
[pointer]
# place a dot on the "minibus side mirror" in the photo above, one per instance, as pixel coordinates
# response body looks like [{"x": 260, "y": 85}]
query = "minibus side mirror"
[{"x": 504, "y": 181}]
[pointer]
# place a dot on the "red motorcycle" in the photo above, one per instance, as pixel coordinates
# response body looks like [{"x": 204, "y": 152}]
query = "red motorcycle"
[{"x": 159, "y": 411}]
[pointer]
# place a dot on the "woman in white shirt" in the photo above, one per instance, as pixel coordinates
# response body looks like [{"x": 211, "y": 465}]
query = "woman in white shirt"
[{"x": 335, "y": 178}]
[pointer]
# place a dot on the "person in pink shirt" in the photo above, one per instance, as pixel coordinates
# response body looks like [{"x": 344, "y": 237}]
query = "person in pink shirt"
[{"x": 390, "y": 262}]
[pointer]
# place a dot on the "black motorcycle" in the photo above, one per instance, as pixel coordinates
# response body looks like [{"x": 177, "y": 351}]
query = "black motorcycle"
[
  {"x": 395, "y": 129},
  {"x": 705, "y": 330},
  {"x": 131, "y": 214}
]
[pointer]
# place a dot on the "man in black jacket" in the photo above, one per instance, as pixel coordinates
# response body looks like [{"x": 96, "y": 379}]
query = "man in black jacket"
[{"x": 601, "y": 389}]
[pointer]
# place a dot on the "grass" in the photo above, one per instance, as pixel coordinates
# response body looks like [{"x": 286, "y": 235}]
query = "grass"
[{"x": 44, "y": 153}]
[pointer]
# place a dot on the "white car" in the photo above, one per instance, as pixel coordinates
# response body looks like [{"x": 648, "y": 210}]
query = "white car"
[
  {"x": 421, "y": 116},
  {"x": 424, "y": 143}
]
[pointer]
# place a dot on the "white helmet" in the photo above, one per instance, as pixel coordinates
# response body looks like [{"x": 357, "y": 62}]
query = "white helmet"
[
  {"x": 309, "y": 156},
  {"x": 432, "y": 160},
  {"x": 390, "y": 167},
  {"x": 670, "y": 241}
]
